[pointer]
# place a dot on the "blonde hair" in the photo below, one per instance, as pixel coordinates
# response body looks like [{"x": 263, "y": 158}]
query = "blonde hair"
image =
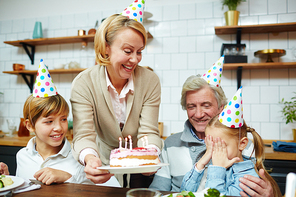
[
  {"x": 258, "y": 147},
  {"x": 107, "y": 32},
  {"x": 195, "y": 83},
  {"x": 36, "y": 107}
]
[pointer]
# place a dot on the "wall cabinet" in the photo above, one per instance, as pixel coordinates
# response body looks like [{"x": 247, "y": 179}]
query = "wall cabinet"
[
  {"x": 245, "y": 29},
  {"x": 8, "y": 156},
  {"x": 279, "y": 169}
]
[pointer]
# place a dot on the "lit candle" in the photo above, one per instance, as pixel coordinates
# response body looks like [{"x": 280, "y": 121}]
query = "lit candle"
[
  {"x": 120, "y": 142},
  {"x": 143, "y": 142},
  {"x": 131, "y": 143},
  {"x": 125, "y": 146},
  {"x": 146, "y": 139}
]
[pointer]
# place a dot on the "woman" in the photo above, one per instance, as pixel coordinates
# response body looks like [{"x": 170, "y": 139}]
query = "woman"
[{"x": 114, "y": 99}]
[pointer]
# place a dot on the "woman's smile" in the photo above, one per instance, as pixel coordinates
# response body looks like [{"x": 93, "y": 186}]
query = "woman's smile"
[{"x": 128, "y": 67}]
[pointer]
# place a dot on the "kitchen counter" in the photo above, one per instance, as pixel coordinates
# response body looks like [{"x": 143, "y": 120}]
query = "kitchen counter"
[
  {"x": 18, "y": 141},
  {"x": 269, "y": 152},
  {"x": 275, "y": 155},
  {"x": 14, "y": 141}
]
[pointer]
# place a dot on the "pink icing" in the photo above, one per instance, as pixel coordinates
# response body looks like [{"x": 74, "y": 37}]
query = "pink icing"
[{"x": 140, "y": 151}]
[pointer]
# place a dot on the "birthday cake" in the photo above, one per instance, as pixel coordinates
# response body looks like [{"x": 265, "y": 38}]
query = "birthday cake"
[
  {"x": 133, "y": 157},
  {"x": 124, "y": 157}
]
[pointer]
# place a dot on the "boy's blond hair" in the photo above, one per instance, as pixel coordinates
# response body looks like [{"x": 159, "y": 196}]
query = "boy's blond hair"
[{"x": 36, "y": 107}]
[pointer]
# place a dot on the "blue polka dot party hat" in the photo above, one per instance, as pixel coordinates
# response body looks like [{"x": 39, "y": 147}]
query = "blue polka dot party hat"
[
  {"x": 232, "y": 114},
  {"x": 214, "y": 74},
  {"x": 44, "y": 86},
  {"x": 135, "y": 10}
]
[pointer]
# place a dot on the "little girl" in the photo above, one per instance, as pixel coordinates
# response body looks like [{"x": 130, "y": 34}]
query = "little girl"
[
  {"x": 226, "y": 138},
  {"x": 48, "y": 156}
]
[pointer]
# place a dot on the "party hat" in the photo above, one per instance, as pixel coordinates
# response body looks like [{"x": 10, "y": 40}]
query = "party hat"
[
  {"x": 232, "y": 114},
  {"x": 44, "y": 86},
  {"x": 135, "y": 10},
  {"x": 213, "y": 75}
]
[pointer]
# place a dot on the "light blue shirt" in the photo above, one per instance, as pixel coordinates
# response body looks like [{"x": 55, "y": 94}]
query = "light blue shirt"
[
  {"x": 194, "y": 135},
  {"x": 224, "y": 180}
]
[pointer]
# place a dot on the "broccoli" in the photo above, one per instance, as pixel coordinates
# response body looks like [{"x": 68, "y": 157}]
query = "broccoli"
[
  {"x": 213, "y": 193},
  {"x": 1, "y": 184}
]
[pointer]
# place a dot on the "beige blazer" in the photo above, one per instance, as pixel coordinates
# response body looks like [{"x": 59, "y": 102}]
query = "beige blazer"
[{"x": 94, "y": 123}]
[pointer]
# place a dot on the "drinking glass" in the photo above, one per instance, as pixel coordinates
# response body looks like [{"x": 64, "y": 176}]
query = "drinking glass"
[
  {"x": 294, "y": 53},
  {"x": 143, "y": 192},
  {"x": 11, "y": 126}
]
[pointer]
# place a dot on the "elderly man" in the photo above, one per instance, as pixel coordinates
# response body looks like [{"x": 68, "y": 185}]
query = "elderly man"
[{"x": 202, "y": 101}]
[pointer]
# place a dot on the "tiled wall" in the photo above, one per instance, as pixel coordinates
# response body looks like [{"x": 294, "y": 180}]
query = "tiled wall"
[{"x": 184, "y": 44}]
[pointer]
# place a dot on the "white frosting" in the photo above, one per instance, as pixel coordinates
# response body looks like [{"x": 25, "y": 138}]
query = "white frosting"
[
  {"x": 118, "y": 157},
  {"x": 132, "y": 162}
]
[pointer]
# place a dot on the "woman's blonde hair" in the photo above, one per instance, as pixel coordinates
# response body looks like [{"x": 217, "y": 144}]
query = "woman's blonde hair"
[
  {"x": 35, "y": 107},
  {"x": 107, "y": 32},
  {"x": 258, "y": 147},
  {"x": 196, "y": 83}
]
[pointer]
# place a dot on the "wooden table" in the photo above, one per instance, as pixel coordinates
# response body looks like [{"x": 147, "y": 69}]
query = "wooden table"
[{"x": 71, "y": 189}]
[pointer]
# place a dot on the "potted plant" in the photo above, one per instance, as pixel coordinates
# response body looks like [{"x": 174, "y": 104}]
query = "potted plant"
[
  {"x": 289, "y": 112},
  {"x": 232, "y": 15}
]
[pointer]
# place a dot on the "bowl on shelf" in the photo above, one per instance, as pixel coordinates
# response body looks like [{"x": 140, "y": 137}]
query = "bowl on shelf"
[
  {"x": 91, "y": 31},
  {"x": 269, "y": 53},
  {"x": 59, "y": 66},
  {"x": 18, "y": 67}
]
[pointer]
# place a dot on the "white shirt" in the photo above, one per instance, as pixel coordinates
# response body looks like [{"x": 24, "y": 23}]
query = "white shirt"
[
  {"x": 29, "y": 161},
  {"x": 119, "y": 101}
]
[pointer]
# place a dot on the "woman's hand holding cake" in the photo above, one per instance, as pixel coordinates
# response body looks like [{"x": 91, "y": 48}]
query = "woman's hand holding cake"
[{"x": 94, "y": 174}]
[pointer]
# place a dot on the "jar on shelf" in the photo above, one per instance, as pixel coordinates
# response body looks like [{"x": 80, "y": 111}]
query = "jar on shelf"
[{"x": 23, "y": 131}]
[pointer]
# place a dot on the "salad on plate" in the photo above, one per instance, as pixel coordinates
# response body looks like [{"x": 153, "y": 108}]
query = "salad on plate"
[
  {"x": 209, "y": 192},
  {"x": 5, "y": 181}
]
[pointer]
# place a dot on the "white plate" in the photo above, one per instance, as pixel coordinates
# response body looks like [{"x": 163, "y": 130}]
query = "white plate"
[
  {"x": 133, "y": 170},
  {"x": 196, "y": 194},
  {"x": 17, "y": 181}
]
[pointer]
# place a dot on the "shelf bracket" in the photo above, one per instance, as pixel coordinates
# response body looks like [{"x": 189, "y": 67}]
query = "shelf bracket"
[
  {"x": 239, "y": 76},
  {"x": 239, "y": 69},
  {"x": 238, "y": 35},
  {"x": 29, "y": 82},
  {"x": 30, "y": 54}
]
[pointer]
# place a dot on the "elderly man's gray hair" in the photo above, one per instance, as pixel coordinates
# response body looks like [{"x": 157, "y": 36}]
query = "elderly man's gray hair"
[{"x": 195, "y": 83}]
